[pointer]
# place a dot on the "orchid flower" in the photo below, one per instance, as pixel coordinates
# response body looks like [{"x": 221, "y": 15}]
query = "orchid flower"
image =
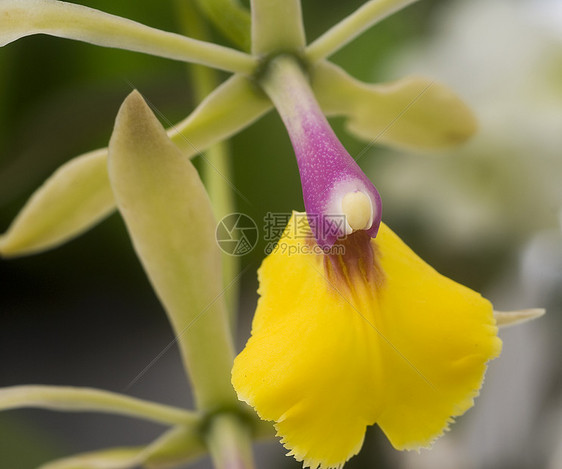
[
  {"x": 358, "y": 333},
  {"x": 383, "y": 338}
]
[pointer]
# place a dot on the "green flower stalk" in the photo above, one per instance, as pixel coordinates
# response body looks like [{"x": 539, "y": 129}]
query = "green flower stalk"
[{"x": 145, "y": 173}]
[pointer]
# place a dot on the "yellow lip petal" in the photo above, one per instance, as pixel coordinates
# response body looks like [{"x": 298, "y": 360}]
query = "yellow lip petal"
[
  {"x": 295, "y": 370},
  {"x": 371, "y": 336},
  {"x": 442, "y": 336}
]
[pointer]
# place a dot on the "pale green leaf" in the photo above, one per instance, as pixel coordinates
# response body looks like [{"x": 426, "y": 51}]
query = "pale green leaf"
[
  {"x": 178, "y": 445},
  {"x": 231, "y": 18},
  {"x": 349, "y": 28},
  {"x": 75, "y": 198},
  {"x": 71, "y": 399},
  {"x": 20, "y": 18},
  {"x": 226, "y": 111},
  {"x": 170, "y": 221},
  {"x": 412, "y": 112},
  {"x": 112, "y": 458},
  {"x": 512, "y": 318},
  {"x": 78, "y": 195},
  {"x": 277, "y": 26}
]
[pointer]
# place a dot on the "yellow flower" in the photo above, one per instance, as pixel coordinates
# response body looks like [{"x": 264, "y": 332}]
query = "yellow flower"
[{"x": 372, "y": 335}]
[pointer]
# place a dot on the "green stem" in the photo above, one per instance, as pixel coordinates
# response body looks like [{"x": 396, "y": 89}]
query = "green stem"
[
  {"x": 277, "y": 26},
  {"x": 229, "y": 442},
  {"x": 215, "y": 171},
  {"x": 73, "y": 399}
]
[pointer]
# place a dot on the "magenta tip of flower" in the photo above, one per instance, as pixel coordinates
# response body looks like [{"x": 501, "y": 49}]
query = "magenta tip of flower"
[{"x": 338, "y": 198}]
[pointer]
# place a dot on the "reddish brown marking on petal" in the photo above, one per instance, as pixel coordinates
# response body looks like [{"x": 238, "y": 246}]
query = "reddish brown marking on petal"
[{"x": 353, "y": 262}]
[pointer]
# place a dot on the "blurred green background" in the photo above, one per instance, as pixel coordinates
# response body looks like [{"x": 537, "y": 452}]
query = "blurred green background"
[{"x": 487, "y": 214}]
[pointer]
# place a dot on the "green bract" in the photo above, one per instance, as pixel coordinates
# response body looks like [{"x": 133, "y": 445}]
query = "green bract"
[{"x": 171, "y": 223}]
